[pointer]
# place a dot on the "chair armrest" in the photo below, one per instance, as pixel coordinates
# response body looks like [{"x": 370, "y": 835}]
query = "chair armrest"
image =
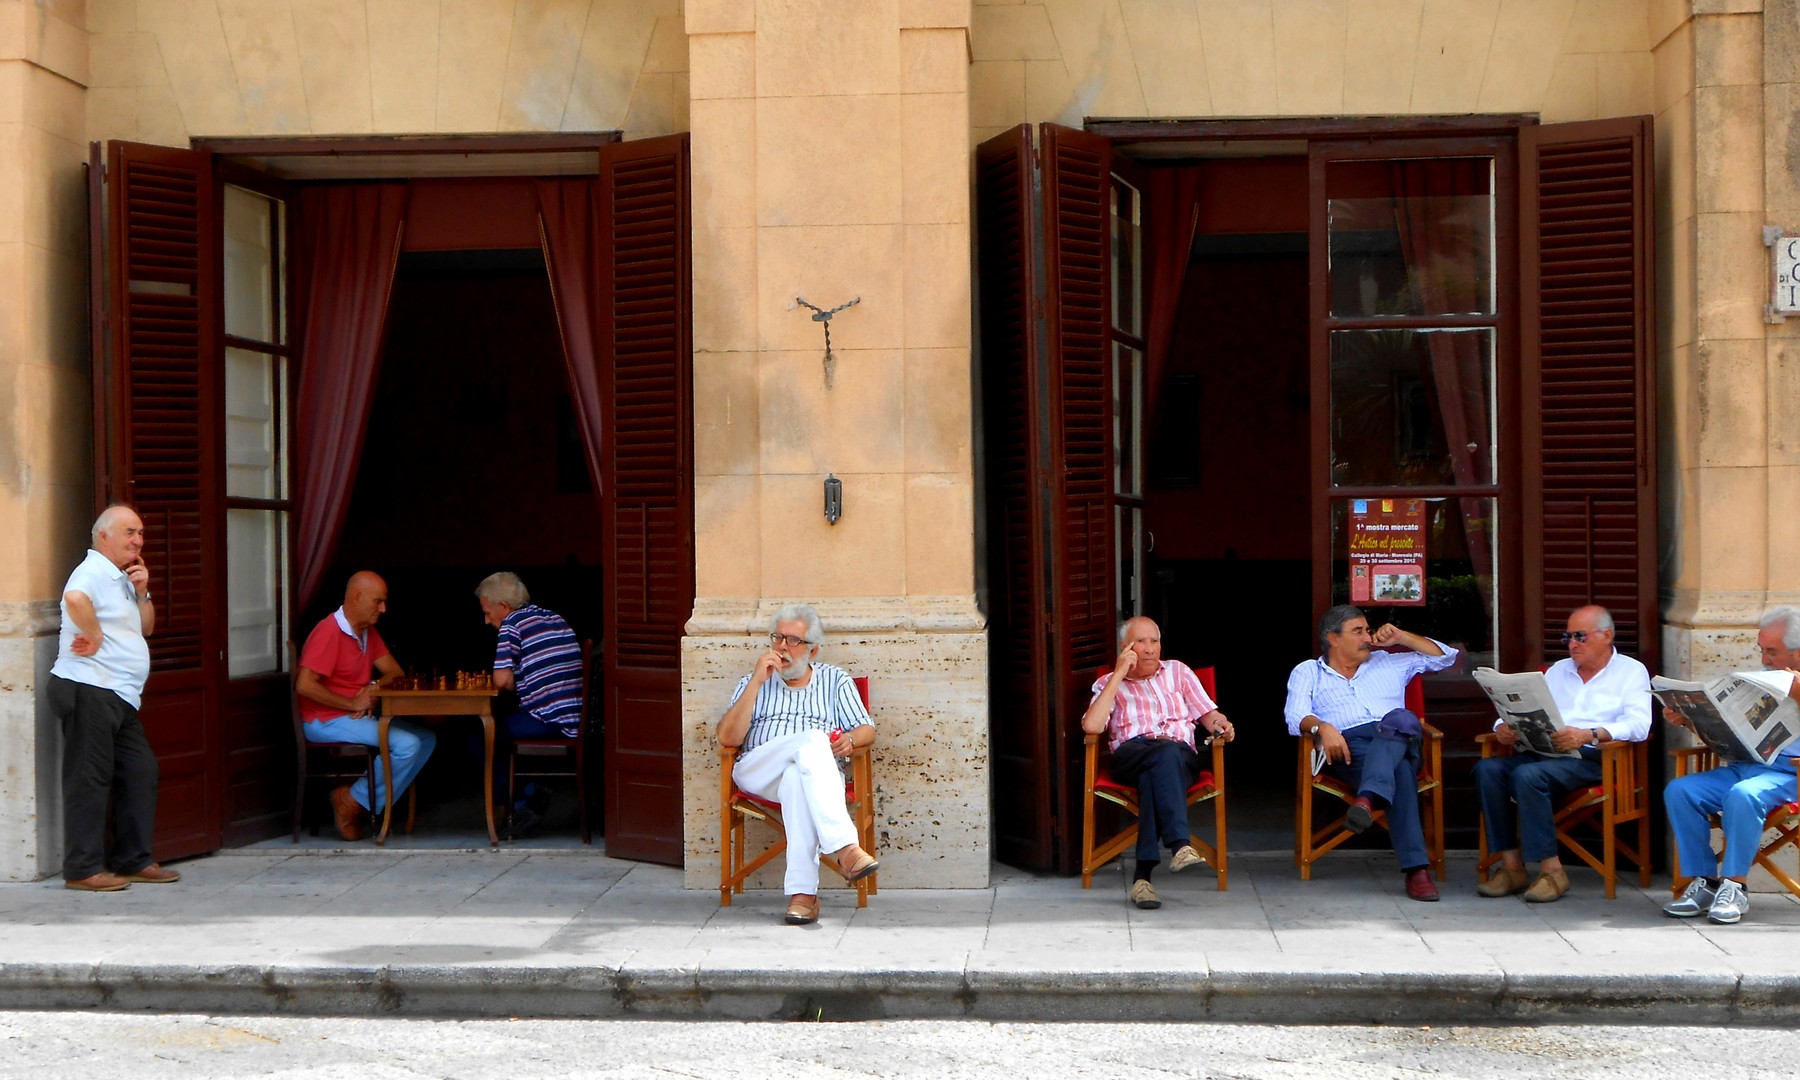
[
  {"x": 1431, "y": 733},
  {"x": 727, "y": 755},
  {"x": 1692, "y": 759},
  {"x": 1492, "y": 746},
  {"x": 1090, "y": 739}
]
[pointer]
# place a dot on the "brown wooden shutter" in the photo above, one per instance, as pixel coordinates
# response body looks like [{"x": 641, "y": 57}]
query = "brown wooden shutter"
[
  {"x": 1077, "y": 182},
  {"x": 1588, "y": 294},
  {"x": 646, "y": 488},
  {"x": 157, "y": 378},
  {"x": 1017, "y": 449}
]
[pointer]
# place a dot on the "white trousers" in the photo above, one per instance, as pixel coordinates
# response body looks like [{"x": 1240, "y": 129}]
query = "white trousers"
[{"x": 800, "y": 772}]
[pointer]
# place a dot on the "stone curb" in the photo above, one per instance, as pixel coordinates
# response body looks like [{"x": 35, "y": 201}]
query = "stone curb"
[{"x": 1463, "y": 997}]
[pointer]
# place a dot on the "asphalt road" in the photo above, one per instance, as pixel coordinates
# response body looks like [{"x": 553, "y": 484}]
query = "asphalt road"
[{"x": 37, "y": 1045}]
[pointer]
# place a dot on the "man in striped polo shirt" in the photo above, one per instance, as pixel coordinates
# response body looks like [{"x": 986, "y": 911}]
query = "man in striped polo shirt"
[
  {"x": 789, "y": 730},
  {"x": 538, "y": 656},
  {"x": 1150, "y": 708}
]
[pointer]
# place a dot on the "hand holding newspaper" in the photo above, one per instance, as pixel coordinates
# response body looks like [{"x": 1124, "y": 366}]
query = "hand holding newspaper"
[
  {"x": 1524, "y": 702},
  {"x": 1741, "y": 717}
]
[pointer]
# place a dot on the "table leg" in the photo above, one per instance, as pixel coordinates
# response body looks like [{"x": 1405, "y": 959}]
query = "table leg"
[
  {"x": 387, "y": 776},
  {"x": 487, "y": 775}
]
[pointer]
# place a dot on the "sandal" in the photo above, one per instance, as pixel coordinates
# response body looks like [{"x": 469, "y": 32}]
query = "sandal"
[{"x": 802, "y": 909}]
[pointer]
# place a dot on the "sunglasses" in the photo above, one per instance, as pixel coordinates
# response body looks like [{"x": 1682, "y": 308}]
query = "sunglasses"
[{"x": 1578, "y": 635}]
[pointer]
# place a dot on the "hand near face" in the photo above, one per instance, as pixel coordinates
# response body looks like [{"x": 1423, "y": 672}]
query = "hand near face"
[
  {"x": 1126, "y": 661},
  {"x": 769, "y": 663},
  {"x": 139, "y": 576},
  {"x": 1389, "y": 634}
]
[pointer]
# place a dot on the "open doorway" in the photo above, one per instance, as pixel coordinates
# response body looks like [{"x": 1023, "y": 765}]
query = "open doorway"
[{"x": 473, "y": 463}]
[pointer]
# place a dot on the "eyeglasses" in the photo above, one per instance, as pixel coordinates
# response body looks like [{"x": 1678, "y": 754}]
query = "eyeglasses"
[
  {"x": 1578, "y": 635},
  {"x": 792, "y": 641}
]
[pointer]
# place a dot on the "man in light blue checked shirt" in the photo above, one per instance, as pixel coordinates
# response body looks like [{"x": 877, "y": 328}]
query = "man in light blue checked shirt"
[
  {"x": 1352, "y": 699},
  {"x": 789, "y": 731}
]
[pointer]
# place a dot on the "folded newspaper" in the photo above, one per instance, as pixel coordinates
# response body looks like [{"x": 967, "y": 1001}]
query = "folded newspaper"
[
  {"x": 1744, "y": 716},
  {"x": 1524, "y": 702}
]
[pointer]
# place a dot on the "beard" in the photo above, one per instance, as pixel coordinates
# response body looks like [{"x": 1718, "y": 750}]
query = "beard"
[{"x": 796, "y": 668}]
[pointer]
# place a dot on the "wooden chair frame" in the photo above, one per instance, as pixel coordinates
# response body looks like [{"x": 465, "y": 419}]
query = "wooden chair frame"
[
  {"x": 333, "y": 751},
  {"x": 562, "y": 747},
  {"x": 1784, "y": 819},
  {"x": 1097, "y": 784},
  {"x": 1311, "y": 844},
  {"x": 738, "y": 808},
  {"x": 1620, "y": 799}
]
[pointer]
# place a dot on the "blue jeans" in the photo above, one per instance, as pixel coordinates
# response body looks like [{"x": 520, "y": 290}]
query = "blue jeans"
[
  {"x": 1163, "y": 771},
  {"x": 1534, "y": 782},
  {"x": 1387, "y": 770},
  {"x": 1742, "y": 794},
  {"x": 409, "y": 744}
]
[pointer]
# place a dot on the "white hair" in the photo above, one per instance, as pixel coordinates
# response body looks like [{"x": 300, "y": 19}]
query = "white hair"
[
  {"x": 1788, "y": 617},
  {"x": 806, "y": 613},
  {"x": 504, "y": 588},
  {"x": 107, "y": 519}
]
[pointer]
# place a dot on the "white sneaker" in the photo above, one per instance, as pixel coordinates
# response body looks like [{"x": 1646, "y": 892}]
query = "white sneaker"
[
  {"x": 1694, "y": 900},
  {"x": 1184, "y": 858},
  {"x": 1730, "y": 904}
]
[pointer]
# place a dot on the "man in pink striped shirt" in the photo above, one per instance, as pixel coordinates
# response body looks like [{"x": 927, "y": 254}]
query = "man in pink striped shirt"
[{"x": 1150, "y": 709}]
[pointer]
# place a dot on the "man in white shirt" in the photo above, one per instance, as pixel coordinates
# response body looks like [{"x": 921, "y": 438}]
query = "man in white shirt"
[
  {"x": 1602, "y": 695},
  {"x": 96, "y": 686}
]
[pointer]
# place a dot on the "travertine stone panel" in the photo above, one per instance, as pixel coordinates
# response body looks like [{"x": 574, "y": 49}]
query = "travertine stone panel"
[
  {"x": 1781, "y": 41},
  {"x": 1241, "y": 70},
  {"x": 53, "y": 36},
  {"x": 934, "y": 14},
  {"x": 1574, "y": 89},
  {"x": 333, "y": 40},
  {"x": 265, "y": 58},
  {"x": 938, "y": 308},
  {"x": 724, "y": 149},
  {"x": 403, "y": 64},
  {"x": 1732, "y": 268},
  {"x": 938, "y": 427},
  {"x": 928, "y": 698},
  {"x": 1600, "y": 26},
  {"x": 934, "y": 164},
  {"x": 828, "y": 160},
  {"x": 1736, "y": 556},
  {"x": 1677, "y": 295},
  {"x": 1520, "y": 59},
  {"x": 198, "y": 63},
  {"x": 727, "y": 427},
  {"x": 724, "y": 66},
  {"x": 471, "y": 63},
  {"x": 855, "y": 425},
  {"x": 1783, "y": 390},
  {"x": 1051, "y": 93},
  {"x": 1732, "y": 387},
  {"x": 859, "y": 260},
  {"x": 1729, "y": 149},
  {"x": 111, "y": 16},
  {"x": 1021, "y": 32},
  {"x": 1455, "y": 42},
  {"x": 1164, "y": 36},
  {"x": 1728, "y": 51},
  {"x": 1674, "y": 59},
  {"x": 1626, "y": 81},
  {"x": 720, "y": 16},
  {"x": 940, "y": 531},
  {"x": 1781, "y": 163},
  {"x": 817, "y": 47},
  {"x": 1310, "y": 60},
  {"x": 542, "y": 54},
  {"x": 863, "y": 554},
  {"x": 727, "y": 535},
  {"x": 997, "y": 94},
  {"x": 1381, "y": 42},
  {"x": 30, "y": 817},
  {"x": 934, "y": 62},
  {"x": 724, "y": 310}
]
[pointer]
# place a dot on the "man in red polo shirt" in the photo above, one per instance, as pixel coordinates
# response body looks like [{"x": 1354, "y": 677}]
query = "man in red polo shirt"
[{"x": 335, "y": 682}]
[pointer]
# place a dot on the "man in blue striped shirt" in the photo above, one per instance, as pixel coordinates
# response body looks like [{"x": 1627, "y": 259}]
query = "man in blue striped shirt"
[
  {"x": 790, "y": 719},
  {"x": 1353, "y": 700},
  {"x": 538, "y": 656}
]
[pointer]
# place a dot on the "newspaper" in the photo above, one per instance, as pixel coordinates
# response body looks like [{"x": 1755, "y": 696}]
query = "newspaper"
[
  {"x": 1524, "y": 702},
  {"x": 1741, "y": 717}
]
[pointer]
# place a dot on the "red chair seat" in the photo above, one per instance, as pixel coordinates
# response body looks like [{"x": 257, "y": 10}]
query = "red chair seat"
[
  {"x": 775, "y": 804},
  {"x": 1103, "y": 781}
]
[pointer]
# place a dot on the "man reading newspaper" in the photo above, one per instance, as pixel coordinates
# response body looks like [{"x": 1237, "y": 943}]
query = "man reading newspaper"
[
  {"x": 1600, "y": 694},
  {"x": 1741, "y": 792}
]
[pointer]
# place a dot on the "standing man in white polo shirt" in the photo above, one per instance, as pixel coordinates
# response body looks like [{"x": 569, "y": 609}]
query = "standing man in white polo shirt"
[{"x": 96, "y": 687}]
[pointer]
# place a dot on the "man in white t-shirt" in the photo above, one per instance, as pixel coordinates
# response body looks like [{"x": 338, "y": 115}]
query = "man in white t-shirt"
[
  {"x": 789, "y": 731},
  {"x": 96, "y": 686}
]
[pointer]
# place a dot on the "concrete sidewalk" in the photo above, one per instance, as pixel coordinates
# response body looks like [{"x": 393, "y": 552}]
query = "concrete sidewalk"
[{"x": 550, "y": 933}]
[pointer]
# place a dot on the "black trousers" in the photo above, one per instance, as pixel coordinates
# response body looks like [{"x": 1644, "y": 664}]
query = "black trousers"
[
  {"x": 1163, "y": 770},
  {"x": 105, "y": 754}
]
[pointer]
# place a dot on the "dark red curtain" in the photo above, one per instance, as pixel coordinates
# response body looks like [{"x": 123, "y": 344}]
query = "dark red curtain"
[
  {"x": 1172, "y": 212},
  {"x": 569, "y": 227},
  {"x": 348, "y": 246}
]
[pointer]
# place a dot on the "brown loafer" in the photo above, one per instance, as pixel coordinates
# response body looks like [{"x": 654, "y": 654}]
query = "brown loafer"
[
  {"x": 1503, "y": 882},
  {"x": 348, "y": 812},
  {"x": 101, "y": 882},
  {"x": 1419, "y": 885},
  {"x": 1361, "y": 814},
  {"x": 856, "y": 863},
  {"x": 1548, "y": 888},
  {"x": 155, "y": 875},
  {"x": 802, "y": 909}
]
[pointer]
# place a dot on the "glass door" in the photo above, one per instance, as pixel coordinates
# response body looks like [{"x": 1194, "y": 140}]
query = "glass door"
[{"x": 1127, "y": 340}]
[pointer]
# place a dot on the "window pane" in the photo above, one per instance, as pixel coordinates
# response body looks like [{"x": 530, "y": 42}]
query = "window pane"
[
  {"x": 1411, "y": 237},
  {"x": 1459, "y": 588},
  {"x": 249, "y": 265},
  {"x": 1412, "y": 407},
  {"x": 1128, "y": 406},
  {"x": 1126, "y": 259},
  {"x": 255, "y": 582},
  {"x": 1128, "y": 535},
  {"x": 253, "y": 436}
]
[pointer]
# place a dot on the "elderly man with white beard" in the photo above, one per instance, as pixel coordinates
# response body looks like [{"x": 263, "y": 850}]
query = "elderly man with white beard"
[{"x": 789, "y": 731}]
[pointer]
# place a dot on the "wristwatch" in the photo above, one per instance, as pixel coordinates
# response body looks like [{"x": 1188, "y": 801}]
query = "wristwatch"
[{"x": 143, "y": 598}]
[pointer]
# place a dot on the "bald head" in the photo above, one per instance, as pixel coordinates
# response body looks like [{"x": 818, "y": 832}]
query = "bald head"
[{"x": 365, "y": 598}]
